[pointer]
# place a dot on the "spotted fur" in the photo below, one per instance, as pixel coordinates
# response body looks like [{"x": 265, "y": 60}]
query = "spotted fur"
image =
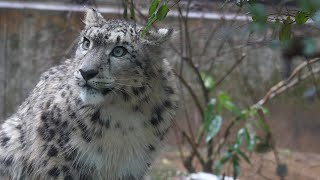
[{"x": 107, "y": 126}]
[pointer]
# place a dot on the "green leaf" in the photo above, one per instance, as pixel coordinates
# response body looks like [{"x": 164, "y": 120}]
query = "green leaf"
[
  {"x": 309, "y": 6},
  {"x": 263, "y": 125},
  {"x": 153, "y": 7},
  {"x": 208, "y": 80},
  {"x": 225, "y": 158},
  {"x": 258, "y": 13},
  {"x": 162, "y": 12},
  {"x": 226, "y": 102},
  {"x": 236, "y": 166},
  {"x": 208, "y": 113},
  {"x": 249, "y": 141},
  {"x": 244, "y": 156},
  {"x": 301, "y": 18},
  {"x": 151, "y": 20},
  {"x": 251, "y": 2},
  {"x": 285, "y": 31},
  {"x": 214, "y": 127},
  {"x": 239, "y": 139}
]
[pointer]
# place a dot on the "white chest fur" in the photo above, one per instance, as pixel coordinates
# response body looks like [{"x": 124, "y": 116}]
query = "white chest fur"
[{"x": 127, "y": 144}]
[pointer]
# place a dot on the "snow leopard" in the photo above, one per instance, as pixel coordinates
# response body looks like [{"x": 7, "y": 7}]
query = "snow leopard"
[{"x": 101, "y": 115}]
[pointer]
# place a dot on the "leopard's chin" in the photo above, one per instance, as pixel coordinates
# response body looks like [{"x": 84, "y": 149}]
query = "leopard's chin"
[{"x": 92, "y": 96}]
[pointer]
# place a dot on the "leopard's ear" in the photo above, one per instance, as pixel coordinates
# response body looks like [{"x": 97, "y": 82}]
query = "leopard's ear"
[
  {"x": 93, "y": 18},
  {"x": 158, "y": 37}
]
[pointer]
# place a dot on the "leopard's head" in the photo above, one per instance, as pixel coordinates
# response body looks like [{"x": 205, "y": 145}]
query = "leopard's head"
[{"x": 113, "y": 57}]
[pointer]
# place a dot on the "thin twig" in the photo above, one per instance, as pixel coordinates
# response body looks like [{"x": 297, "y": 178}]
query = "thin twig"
[
  {"x": 230, "y": 70},
  {"x": 191, "y": 91}
]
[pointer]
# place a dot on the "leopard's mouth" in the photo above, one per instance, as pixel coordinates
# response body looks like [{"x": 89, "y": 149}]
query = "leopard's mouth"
[{"x": 91, "y": 89}]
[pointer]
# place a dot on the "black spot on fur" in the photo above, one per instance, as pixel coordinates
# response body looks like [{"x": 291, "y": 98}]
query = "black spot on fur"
[
  {"x": 167, "y": 104},
  {"x": 78, "y": 101},
  {"x": 68, "y": 177},
  {"x": 151, "y": 147},
  {"x": 48, "y": 103},
  {"x": 138, "y": 90},
  {"x": 157, "y": 115},
  {"x": 130, "y": 177},
  {"x": 63, "y": 139},
  {"x": 161, "y": 134},
  {"x": 45, "y": 133},
  {"x": 52, "y": 151},
  {"x": 125, "y": 96},
  {"x": 65, "y": 169},
  {"x": 168, "y": 90},
  {"x": 95, "y": 117},
  {"x": 54, "y": 172},
  {"x": 136, "y": 108},
  {"x": 86, "y": 137},
  {"x": 64, "y": 124},
  {"x": 4, "y": 139},
  {"x": 70, "y": 156},
  {"x": 8, "y": 161},
  {"x": 85, "y": 177},
  {"x": 22, "y": 137},
  {"x": 30, "y": 167},
  {"x": 118, "y": 39},
  {"x": 44, "y": 116},
  {"x": 146, "y": 99},
  {"x": 125, "y": 43},
  {"x": 72, "y": 115},
  {"x": 63, "y": 94},
  {"x": 138, "y": 63},
  {"x": 82, "y": 126},
  {"x": 105, "y": 123},
  {"x": 106, "y": 91}
]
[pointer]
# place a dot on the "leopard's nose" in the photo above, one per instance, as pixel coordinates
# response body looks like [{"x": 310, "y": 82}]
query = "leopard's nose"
[{"x": 88, "y": 74}]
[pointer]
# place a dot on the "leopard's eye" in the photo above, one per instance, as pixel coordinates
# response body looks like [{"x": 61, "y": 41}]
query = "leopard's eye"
[
  {"x": 119, "y": 51},
  {"x": 85, "y": 43}
]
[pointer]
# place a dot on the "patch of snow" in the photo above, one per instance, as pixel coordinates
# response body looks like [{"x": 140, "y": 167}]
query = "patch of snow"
[{"x": 206, "y": 176}]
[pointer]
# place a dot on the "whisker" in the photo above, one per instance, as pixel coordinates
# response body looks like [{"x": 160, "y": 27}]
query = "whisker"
[
  {"x": 130, "y": 78},
  {"x": 121, "y": 90},
  {"x": 129, "y": 85}
]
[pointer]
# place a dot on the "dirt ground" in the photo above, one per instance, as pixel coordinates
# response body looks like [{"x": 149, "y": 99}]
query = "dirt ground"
[{"x": 301, "y": 166}]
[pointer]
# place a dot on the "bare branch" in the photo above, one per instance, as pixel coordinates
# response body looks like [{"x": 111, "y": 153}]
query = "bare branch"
[{"x": 290, "y": 82}]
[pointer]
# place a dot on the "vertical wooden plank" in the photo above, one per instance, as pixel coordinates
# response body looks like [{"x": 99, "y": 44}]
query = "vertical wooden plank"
[
  {"x": 3, "y": 53},
  {"x": 12, "y": 62}
]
